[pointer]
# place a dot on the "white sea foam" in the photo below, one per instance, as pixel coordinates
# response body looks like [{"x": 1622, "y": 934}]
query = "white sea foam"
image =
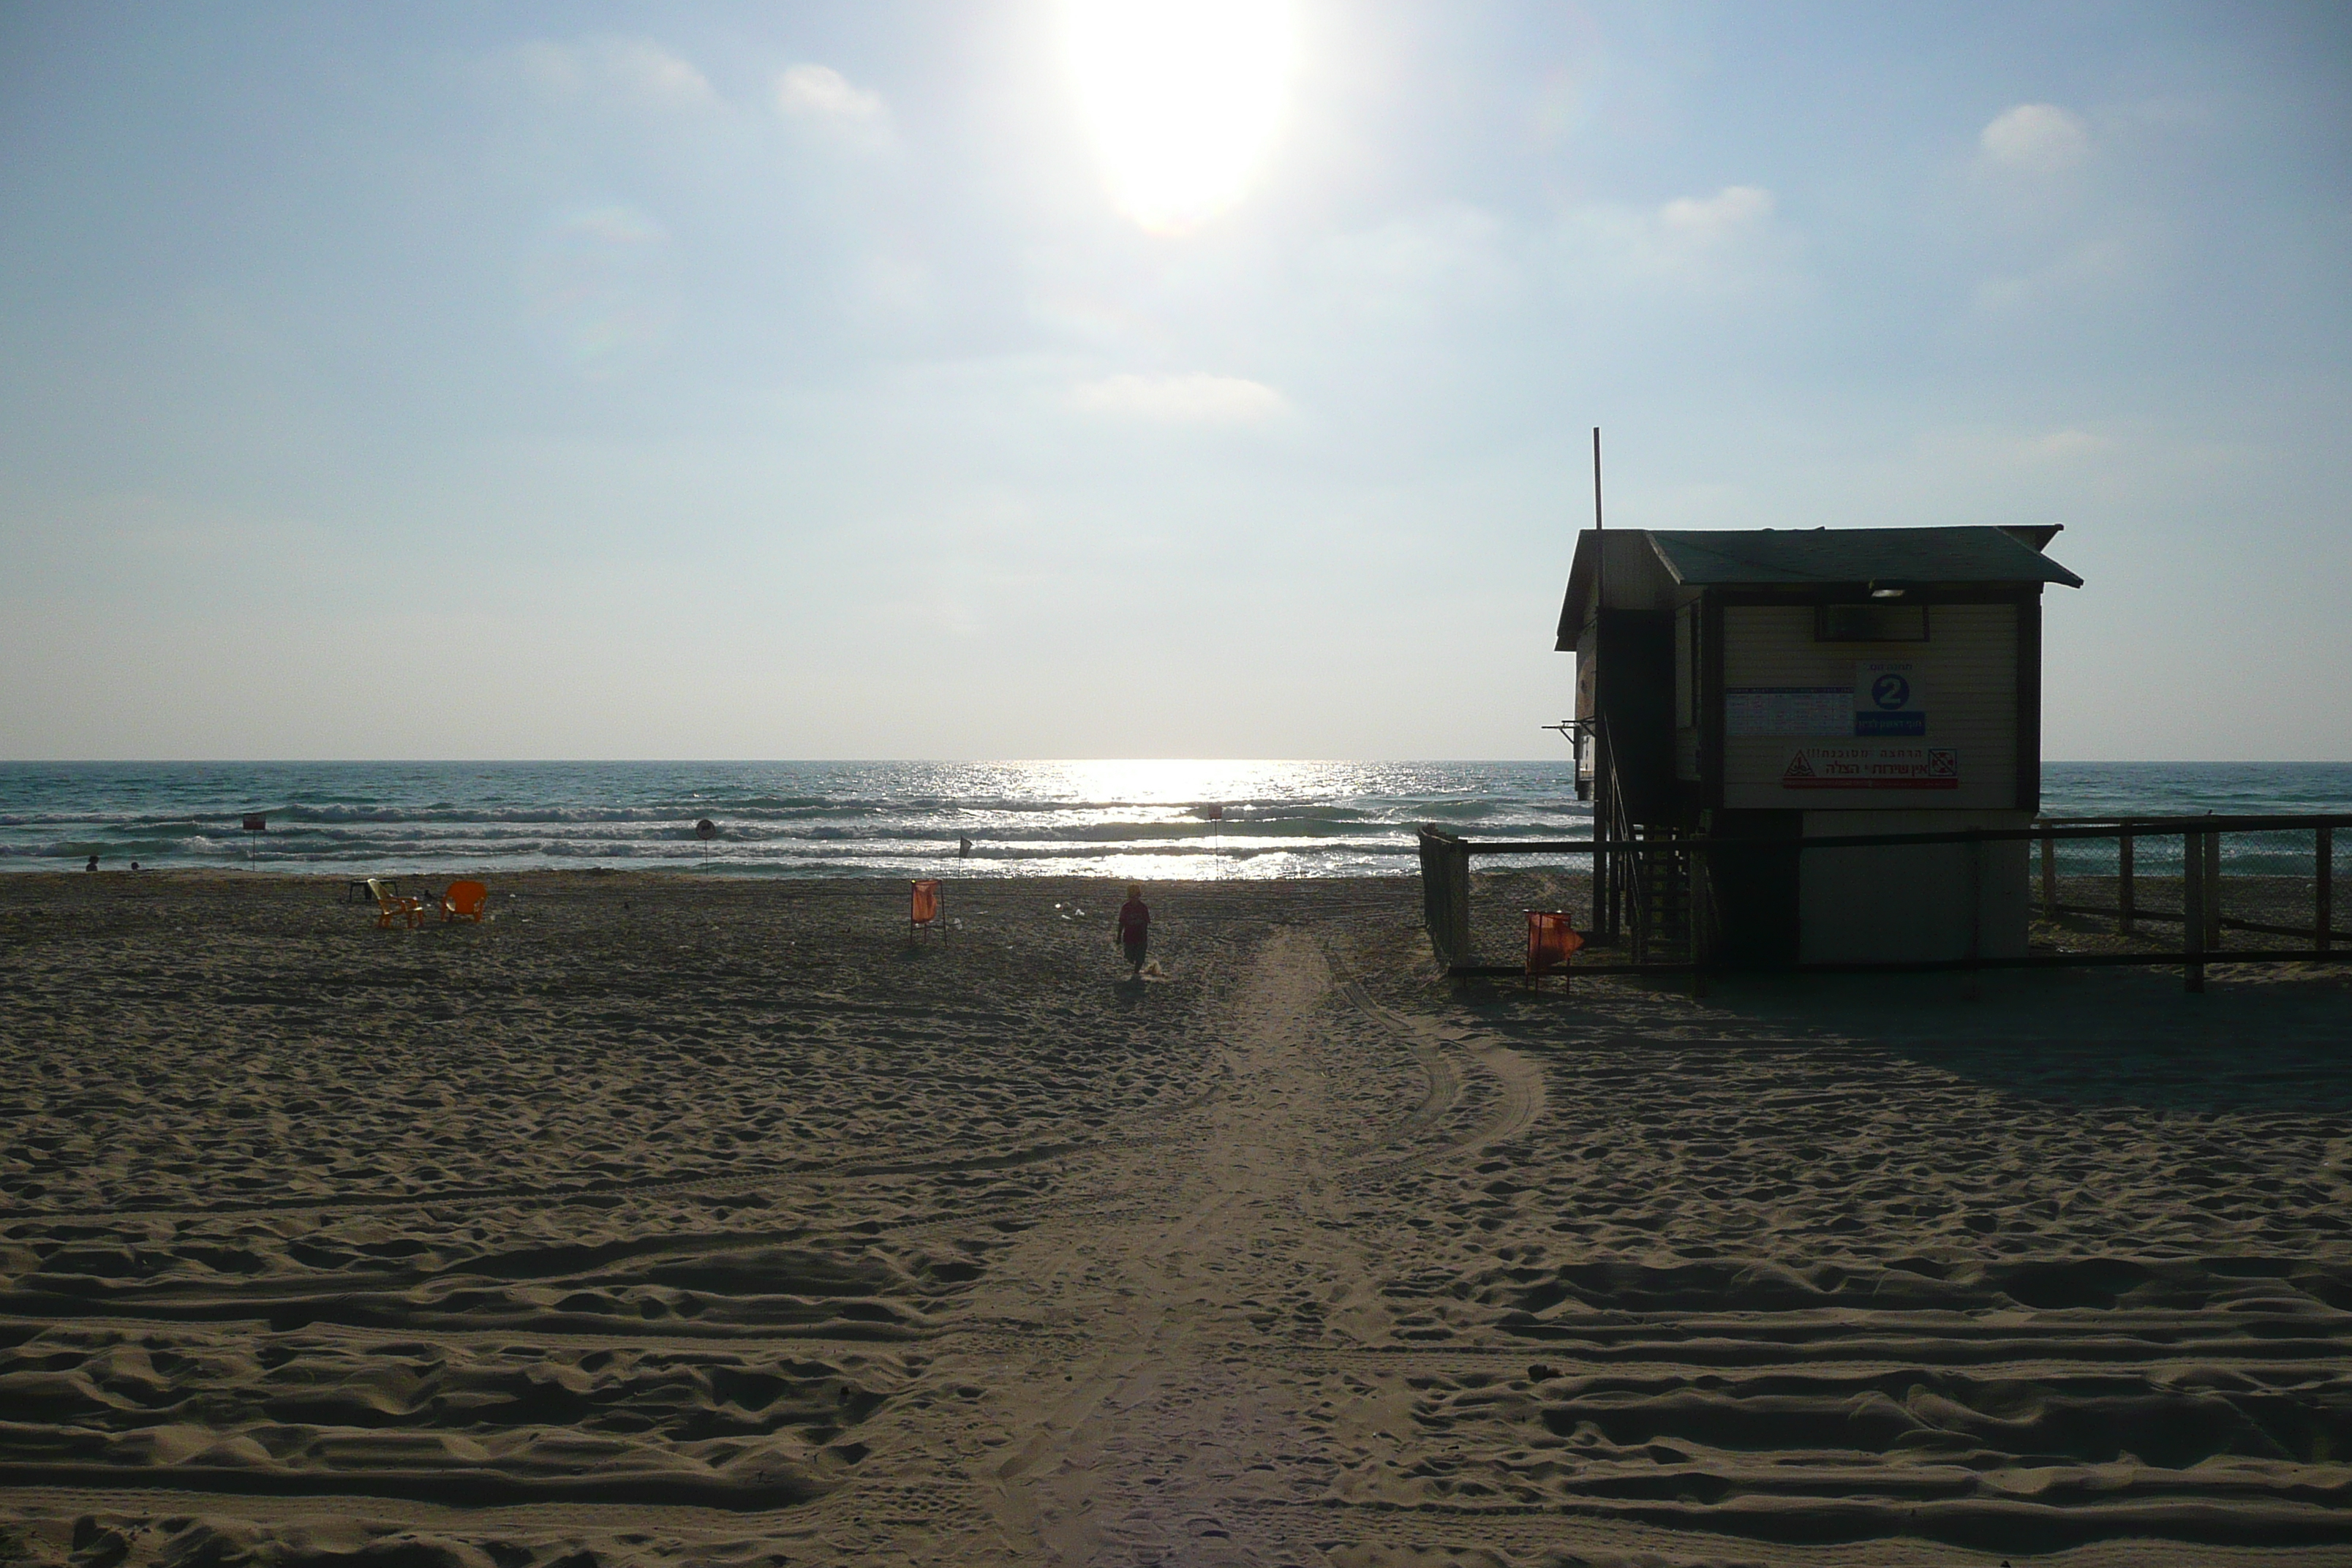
[{"x": 889, "y": 819}]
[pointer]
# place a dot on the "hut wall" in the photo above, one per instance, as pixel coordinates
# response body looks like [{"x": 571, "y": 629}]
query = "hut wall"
[
  {"x": 1790, "y": 741},
  {"x": 1687, "y": 621},
  {"x": 1911, "y": 902}
]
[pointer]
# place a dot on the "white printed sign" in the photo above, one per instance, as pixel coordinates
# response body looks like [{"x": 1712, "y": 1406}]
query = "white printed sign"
[
  {"x": 1863, "y": 765},
  {"x": 1788, "y": 710}
]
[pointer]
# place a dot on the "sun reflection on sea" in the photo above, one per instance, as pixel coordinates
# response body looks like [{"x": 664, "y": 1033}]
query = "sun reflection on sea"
[
  {"x": 1152, "y": 821},
  {"x": 1166, "y": 781}
]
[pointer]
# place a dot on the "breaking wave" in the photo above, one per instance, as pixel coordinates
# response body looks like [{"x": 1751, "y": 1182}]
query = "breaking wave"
[
  {"x": 1260, "y": 819},
  {"x": 1163, "y": 819}
]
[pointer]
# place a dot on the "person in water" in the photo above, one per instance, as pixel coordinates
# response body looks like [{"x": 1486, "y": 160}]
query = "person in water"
[{"x": 1134, "y": 929}]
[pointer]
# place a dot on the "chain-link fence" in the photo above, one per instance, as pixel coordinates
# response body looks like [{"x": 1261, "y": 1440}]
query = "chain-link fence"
[
  {"x": 2187, "y": 891},
  {"x": 2263, "y": 886}
]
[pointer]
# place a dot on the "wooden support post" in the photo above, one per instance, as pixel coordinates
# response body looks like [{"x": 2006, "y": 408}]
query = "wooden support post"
[
  {"x": 1459, "y": 901},
  {"x": 1702, "y": 917},
  {"x": 2193, "y": 910},
  {"x": 2123, "y": 881},
  {"x": 1975, "y": 891},
  {"x": 2212, "y": 892},
  {"x": 2323, "y": 889},
  {"x": 2049, "y": 876}
]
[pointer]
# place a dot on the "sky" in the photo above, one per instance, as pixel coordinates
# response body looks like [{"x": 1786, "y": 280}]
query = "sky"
[{"x": 919, "y": 380}]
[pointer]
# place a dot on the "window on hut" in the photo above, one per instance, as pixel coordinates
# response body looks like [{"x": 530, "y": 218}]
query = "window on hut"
[{"x": 1870, "y": 622}]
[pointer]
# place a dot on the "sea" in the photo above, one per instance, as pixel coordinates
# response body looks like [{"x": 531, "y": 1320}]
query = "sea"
[{"x": 1120, "y": 819}]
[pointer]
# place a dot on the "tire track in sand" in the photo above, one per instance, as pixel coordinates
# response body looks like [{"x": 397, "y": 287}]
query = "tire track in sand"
[{"x": 1519, "y": 1082}]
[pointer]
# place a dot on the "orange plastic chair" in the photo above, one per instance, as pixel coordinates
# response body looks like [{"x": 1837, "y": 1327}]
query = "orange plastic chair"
[
  {"x": 391, "y": 906},
  {"x": 923, "y": 912},
  {"x": 464, "y": 901},
  {"x": 1552, "y": 942}
]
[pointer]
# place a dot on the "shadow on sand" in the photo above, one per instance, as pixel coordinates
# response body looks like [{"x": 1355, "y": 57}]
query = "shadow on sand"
[{"x": 2274, "y": 1038}]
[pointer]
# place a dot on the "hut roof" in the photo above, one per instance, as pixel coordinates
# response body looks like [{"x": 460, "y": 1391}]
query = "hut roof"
[
  {"x": 1835, "y": 555},
  {"x": 1819, "y": 557}
]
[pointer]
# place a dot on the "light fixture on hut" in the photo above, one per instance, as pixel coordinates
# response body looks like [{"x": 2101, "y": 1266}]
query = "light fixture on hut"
[{"x": 1885, "y": 591}]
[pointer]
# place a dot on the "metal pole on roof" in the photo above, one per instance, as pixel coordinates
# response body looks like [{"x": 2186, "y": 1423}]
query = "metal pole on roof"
[{"x": 1603, "y": 763}]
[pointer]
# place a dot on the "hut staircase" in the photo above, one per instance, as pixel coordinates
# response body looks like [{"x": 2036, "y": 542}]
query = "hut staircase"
[
  {"x": 1611, "y": 870},
  {"x": 1641, "y": 896},
  {"x": 1662, "y": 921}
]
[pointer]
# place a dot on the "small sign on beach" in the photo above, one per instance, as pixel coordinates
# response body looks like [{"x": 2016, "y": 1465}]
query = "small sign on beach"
[{"x": 255, "y": 822}]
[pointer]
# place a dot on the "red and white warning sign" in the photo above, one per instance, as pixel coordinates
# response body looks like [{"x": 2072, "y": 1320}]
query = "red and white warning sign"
[{"x": 1871, "y": 767}]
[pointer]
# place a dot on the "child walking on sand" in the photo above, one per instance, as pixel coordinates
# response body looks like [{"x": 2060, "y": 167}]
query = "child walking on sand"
[{"x": 1134, "y": 929}]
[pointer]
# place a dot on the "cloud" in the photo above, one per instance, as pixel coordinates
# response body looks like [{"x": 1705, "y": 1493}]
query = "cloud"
[
  {"x": 2034, "y": 139},
  {"x": 1419, "y": 272},
  {"x": 598, "y": 287},
  {"x": 1194, "y": 399},
  {"x": 1714, "y": 243},
  {"x": 2093, "y": 269},
  {"x": 2061, "y": 444},
  {"x": 1719, "y": 219},
  {"x": 2049, "y": 455},
  {"x": 637, "y": 72},
  {"x": 820, "y": 92}
]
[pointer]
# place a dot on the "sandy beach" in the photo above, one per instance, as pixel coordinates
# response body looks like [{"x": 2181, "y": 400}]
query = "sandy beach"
[{"x": 678, "y": 1220}]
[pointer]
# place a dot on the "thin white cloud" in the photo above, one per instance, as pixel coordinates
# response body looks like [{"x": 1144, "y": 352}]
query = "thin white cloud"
[
  {"x": 1724, "y": 217},
  {"x": 2090, "y": 270},
  {"x": 1417, "y": 273},
  {"x": 2062, "y": 445},
  {"x": 2034, "y": 139},
  {"x": 821, "y": 92},
  {"x": 2052, "y": 454},
  {"x": 637, "y": 72},
  {"x": 1453, "y": 248},
  {"x": 1713, "y": 244},
  {"x": 1441, "y": 271},
  {"x": 1194, "y": 399},
  {"x": 895, "y": 287}
]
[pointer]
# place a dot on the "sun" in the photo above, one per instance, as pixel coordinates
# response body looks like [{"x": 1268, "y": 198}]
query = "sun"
[{"x": 1182, "y": 98}]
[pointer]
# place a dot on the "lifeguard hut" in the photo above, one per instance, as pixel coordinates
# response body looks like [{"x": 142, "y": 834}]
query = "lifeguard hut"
[{"x": 1782, "y": 685}]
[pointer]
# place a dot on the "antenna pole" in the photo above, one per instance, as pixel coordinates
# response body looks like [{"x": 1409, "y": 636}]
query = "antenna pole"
[
  {"x": 1604, "y": 765},
  {"x": 1596, "y": 479}
]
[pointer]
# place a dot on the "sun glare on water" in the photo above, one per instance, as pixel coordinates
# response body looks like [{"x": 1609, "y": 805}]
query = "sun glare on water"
[{"x": 1182, "y": 98}]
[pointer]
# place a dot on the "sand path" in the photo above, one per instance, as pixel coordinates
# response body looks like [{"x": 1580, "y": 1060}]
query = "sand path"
[
  {"x": 1136, "y": 1343},
  {"x": 695, "y": 1223}
]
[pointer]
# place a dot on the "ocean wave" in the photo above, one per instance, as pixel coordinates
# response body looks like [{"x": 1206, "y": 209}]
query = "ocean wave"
[{"x": 786, "y": 819}]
